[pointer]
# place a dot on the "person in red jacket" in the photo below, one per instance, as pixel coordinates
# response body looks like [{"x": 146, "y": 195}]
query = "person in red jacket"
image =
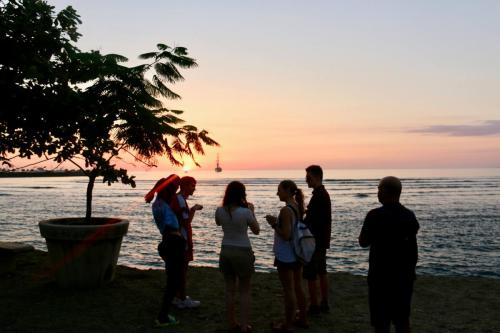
[{"x": 185, "y": 216}]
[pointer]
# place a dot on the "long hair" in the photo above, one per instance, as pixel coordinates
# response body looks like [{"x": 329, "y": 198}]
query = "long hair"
[
  {"x": 165, "y": 187},
  {"x": 296, "y": 193},
  {"x": 235, "y": 195}
]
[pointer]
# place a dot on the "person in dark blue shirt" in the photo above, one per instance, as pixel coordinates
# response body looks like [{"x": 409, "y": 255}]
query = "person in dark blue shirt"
[
  {"x": 172, "y": 246},
  {"x": 391, "y": 233}
]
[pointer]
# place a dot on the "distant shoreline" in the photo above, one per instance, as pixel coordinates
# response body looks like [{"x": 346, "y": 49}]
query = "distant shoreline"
[{"x": 14, "y": 174}]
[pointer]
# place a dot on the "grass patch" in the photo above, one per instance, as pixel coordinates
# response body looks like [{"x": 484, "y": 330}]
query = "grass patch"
[{"x": 31, "y": 303}]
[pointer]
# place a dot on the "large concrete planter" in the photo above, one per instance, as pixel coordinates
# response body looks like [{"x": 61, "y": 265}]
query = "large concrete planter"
[{"x": 83, "y": 255}]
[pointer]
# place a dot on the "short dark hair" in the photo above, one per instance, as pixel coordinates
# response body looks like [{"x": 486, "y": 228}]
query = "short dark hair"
[
  {"x": 187, "y": 180},
  {"x": 315, "y": 170},
  {"x": 391, "y": 186}
]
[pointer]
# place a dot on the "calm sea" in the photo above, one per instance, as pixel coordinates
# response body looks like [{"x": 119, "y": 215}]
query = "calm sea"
[{"x": 458, "y": 211}]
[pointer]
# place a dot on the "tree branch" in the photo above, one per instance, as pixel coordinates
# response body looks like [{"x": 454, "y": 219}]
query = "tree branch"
[
  {"x": 11, "y": 158},
  {"x": 27, "y": 165},
  {"x": 139, "y": 160},
  {"x": 79, "y": 167}
]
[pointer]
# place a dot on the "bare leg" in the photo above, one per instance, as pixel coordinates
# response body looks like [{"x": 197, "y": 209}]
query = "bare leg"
[
  {"x": 323, "y": 283},
  {"x": 245, "y": 301},
  {"x": 230, "y": 281},
  {"x": 286, "y": 278},
  {"x": 312, "y": 285},
  {"x": 300, "y": 295}
]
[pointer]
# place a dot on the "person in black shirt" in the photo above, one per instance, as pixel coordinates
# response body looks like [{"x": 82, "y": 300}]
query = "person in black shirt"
[
  {"x": 319, "y": 220},
  {"x": 391, "y": 233}
]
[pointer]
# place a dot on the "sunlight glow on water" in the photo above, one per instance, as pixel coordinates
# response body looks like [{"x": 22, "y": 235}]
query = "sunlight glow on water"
[{"x": 458, "y": 211}]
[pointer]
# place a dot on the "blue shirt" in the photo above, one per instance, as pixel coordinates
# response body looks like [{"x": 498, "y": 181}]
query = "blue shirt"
[{"x": 164, "y": 216}]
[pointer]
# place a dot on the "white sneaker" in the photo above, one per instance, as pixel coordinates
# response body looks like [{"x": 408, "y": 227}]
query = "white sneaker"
[{"x": 189, "y": 303}]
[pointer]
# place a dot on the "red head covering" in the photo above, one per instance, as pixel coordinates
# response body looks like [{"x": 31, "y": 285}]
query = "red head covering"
[{"x": 160, "y": 185}]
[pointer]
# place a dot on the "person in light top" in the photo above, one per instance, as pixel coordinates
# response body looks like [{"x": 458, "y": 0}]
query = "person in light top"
[
  {"x": 185, "y": 216},
  {"x": 237, "y": 259}
]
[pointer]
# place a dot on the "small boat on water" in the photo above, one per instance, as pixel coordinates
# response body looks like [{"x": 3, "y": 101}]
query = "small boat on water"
[{"x": 218, "y": 168}]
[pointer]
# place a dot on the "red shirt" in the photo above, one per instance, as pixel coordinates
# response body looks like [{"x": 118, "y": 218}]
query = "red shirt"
[{"x": 181, "y": 209}]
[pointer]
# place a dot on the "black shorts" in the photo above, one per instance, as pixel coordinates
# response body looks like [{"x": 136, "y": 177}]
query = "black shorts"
[
  {"x": 280, "y": 265},
  {"x": 390, "y": 301},
  {"x": 317, "y": 265}
]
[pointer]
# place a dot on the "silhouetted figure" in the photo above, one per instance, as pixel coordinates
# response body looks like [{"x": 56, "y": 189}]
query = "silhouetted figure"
[
  {"x": 185, "y": 216},
  {"x": 172, "y": 246},
  {"x": 319, "y": 220},
  {"x": 391, "y": 233},
  {"x": 236, "y": 259},
  {"x": 289, "y": 268}
]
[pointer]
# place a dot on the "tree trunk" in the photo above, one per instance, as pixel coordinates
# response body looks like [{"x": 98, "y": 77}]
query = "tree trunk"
[{"x": 90, "y": 188}]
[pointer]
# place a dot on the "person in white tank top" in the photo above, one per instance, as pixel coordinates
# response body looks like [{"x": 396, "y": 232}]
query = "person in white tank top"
[{"x": 289, "y": 268}]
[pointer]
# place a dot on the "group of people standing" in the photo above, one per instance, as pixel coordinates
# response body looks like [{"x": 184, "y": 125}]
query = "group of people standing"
[
  {"x": 173, "y": 218},
  {"x": 236, "y": 216}
]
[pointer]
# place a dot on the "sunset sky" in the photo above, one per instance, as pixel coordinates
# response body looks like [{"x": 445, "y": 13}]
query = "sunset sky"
[{"x": 345, "y": 84}]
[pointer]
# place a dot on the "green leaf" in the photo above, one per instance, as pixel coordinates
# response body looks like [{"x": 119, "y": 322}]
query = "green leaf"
[{"x": 148, "y": 55}]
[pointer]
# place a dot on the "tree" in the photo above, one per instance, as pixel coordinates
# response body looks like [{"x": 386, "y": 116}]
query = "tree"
[{"x": 85, "y": 107}]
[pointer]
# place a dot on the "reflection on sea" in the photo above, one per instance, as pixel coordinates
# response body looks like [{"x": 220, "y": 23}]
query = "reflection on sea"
[{"x": 458, "y": 212}]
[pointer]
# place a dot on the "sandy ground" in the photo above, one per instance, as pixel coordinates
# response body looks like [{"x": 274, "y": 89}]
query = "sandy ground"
[{"x": 29, "y": 303}]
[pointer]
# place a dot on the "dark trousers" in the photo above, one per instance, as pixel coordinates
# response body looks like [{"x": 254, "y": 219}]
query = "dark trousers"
[
  {"x": 390, "y": 301},
  {"x": 172, "y": 251}
]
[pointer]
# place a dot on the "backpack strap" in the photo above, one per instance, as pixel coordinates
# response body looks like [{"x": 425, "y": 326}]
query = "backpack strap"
[{"x": 294, "y": 212}]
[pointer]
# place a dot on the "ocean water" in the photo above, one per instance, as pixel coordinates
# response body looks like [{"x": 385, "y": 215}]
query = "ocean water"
[{"x": 458, "y": 211}]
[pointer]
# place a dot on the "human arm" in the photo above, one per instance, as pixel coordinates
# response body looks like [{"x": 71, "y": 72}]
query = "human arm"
[
  {"x": 364, "y": 236},
  {"x": 416, "y": 227},
  {"x": 192, "y": 211},
  {"x": 283, "y": 224},
  {"x": 165, "y": 218},
  {"x": 252, "y": 221},
  {"x": 217, "y": 216}
]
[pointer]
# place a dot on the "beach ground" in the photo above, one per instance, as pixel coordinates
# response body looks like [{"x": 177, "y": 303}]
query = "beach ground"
[{"x": 30, "y": 302}]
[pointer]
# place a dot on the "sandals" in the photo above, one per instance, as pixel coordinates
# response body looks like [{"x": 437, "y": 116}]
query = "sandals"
[
  {"x": 279, "y": 327},
  {"x": 301, "y": 323},
  {"x": 235, "y": 329},
  {"x": 246, "y": 329},
  {"x": 238, "y": 329}
]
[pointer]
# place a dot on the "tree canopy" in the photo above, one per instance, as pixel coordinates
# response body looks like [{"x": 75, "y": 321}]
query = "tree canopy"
[{"x": 87, "y": 108}]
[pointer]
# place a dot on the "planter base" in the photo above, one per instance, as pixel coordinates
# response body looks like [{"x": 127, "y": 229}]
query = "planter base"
[{"x": 83, "y": 255}]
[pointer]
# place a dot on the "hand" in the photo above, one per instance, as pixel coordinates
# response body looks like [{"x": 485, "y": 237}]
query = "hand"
[
  {"x": 196, "y": 207},
  {"x": 271, "y": 220}
]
